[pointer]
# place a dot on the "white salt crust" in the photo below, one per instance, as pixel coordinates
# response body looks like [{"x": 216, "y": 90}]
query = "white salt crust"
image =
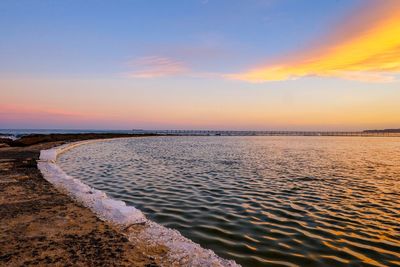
[{"x": 182, "y": 251}]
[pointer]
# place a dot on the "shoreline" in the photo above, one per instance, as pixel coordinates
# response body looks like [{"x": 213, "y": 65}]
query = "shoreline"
[
  {"x": 142, "y": 242},
  {"x": 41, "y": 226},
  {"x": 181, "y": 250}
]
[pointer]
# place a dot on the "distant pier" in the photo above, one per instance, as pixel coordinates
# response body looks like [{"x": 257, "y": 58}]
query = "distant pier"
[{"x": 267, "y": 133}]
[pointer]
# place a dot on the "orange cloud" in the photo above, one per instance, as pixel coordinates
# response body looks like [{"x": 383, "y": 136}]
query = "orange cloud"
[
  {"x": 154, "y": 67},
  {"x": 366, "y": 47}
]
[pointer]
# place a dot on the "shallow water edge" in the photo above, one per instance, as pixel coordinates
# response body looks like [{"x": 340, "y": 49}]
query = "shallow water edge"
[{"x": 181, "y": 251}]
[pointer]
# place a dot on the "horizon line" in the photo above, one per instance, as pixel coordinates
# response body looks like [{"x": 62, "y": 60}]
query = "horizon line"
[{"x": 192, "y": 130}]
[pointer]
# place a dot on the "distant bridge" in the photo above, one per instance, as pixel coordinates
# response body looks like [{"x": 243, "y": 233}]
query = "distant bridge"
[{"x": 264, "y": 133}]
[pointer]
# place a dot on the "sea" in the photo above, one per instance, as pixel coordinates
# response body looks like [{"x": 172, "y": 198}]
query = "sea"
[{"x": 259, "y": 200}]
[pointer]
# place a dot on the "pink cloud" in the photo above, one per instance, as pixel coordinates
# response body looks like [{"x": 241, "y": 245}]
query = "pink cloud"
[
  {"x": 155, "y": 66},
  {"x": 18, "y": 110},
  {"x": 41, "y": 117}
]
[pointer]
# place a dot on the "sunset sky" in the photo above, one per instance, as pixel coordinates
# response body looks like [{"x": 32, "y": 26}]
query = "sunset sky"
[{"x": 200, "y": 64}]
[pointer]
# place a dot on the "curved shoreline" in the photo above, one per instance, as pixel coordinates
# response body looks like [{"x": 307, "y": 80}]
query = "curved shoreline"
[{"x": 181, "y": 251}]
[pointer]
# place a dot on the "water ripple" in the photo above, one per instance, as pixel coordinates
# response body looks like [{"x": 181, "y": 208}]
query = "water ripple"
[{"x": 263, "y": 201}]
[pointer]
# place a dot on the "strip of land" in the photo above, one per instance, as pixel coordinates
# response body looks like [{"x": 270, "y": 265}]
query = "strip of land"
[{"x": 41, "y": 226}]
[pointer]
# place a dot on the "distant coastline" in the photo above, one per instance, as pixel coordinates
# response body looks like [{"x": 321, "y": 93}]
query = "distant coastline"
[{"x": 30, "y": 136}]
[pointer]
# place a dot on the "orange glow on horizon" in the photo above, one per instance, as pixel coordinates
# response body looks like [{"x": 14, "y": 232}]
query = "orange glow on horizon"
[{"x": 371, "y": 54}]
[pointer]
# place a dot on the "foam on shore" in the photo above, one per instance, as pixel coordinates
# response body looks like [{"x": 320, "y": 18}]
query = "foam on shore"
[{"x": 182, "y": 251}]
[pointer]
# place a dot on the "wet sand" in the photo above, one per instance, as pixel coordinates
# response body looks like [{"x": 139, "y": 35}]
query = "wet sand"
[{"x": 41, "y": 226}]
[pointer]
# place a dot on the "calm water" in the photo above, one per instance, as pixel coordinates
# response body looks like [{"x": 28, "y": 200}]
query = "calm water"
[{"x": 262, "y": 201}]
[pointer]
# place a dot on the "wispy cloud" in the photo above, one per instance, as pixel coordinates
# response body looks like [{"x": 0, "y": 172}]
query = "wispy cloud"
[
  {"x": 38, "y": 116},
  {"x": 156, "y": 66},
  {"x": 23, "y": 110},
  {"x": 366, "y": 47},
  {"x": 159, "y": 67}
]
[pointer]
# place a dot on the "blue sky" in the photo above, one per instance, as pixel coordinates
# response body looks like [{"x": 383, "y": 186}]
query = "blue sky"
[
  {"x": 99, "y": 37},
  {"x": 199, "y": 64}
]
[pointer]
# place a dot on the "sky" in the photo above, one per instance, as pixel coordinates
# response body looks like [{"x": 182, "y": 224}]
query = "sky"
[{"x": 200, "y": 64}]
